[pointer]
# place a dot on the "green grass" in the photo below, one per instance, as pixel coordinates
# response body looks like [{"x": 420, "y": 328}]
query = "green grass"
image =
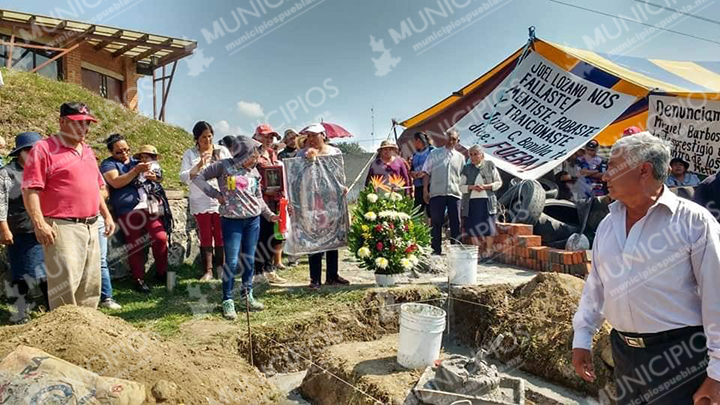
[
  {"x": 164, "y": 312},
  {"x": 30, "y": 102}
]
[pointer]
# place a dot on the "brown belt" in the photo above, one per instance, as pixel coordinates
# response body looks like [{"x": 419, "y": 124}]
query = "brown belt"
[{"x": 84, "y": 221}]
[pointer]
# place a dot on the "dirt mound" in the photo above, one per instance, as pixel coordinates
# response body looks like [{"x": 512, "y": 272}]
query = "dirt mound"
[
  {"x": 111, "y": 347},
  {"x": 530, "y": 327},
  {"x": 290, "y": 346}
]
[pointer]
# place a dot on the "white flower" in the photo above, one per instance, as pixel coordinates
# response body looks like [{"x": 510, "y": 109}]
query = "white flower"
[
  {"x": 395, "y": 196},
  {"x": 372, "y": 197},
  {"x": 414, "y": 260},
  {"x": 363, "y": 252},
  {"x": 401, "y": 216},
  {"x": 381, "y": 262},
  {"x": 370, "y": 216},
  {"x": 406, "y": 264}
]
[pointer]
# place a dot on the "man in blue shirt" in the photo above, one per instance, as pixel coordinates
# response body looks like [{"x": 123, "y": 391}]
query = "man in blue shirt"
[{"x": 423, "y": 146}]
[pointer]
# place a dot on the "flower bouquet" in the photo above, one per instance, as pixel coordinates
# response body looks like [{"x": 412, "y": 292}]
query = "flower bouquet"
[{"x": 388, "y": 234}]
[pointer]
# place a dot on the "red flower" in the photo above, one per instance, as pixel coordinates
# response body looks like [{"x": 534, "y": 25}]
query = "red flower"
[
  {"x": 392, "y": 248},
  {"x": 379, "y": 246},
  {"x": 411, "y": 249},
  {"x": 391, "y": 225},
  {"x": 407, "y": 228},
  {"x": 378, "y": 228}
]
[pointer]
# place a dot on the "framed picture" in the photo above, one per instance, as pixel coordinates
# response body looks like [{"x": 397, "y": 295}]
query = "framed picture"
[{"x": 273, "y": 178}]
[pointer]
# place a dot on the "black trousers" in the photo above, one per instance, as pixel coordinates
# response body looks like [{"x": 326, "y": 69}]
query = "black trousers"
[
  {"x": 420, "y": 200},
  {"x": 667, "y": 371},
  {"x": 437, "y": 219},
  {"x": 266, "y": 246},
  {"x": 315, "y": 261}
]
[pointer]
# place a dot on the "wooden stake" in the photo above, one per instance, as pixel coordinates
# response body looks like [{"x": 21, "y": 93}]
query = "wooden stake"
[
  {"x": 8, "y": 61},
  {"x": 247, "y": 314}
]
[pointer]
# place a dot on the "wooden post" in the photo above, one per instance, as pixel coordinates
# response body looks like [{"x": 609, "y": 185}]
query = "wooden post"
[
  {"x": 154, "y": 94},
  {"x": 167, "y": 91},
  {"x": 162, "y": 95},
  {"x": 8, "y": 62},
  {"x": 56, "y": 57}
]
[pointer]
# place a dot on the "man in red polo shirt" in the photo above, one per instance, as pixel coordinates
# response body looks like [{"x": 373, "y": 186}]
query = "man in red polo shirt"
[{"x": 61, "y": 190}]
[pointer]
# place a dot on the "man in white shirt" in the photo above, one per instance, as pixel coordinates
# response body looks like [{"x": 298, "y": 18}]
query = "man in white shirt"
[
  {"x": 655, "y": 276},
  {"x": 441, "y": 186}
]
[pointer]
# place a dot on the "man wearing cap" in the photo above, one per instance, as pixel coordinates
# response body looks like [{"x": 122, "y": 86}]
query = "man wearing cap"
[
  {"x": 679, "y": 177},
  {"x": 25, "y": 253},
  {"x": 61, "y": 190},
  {"x": 291, "y": 146},
  {"x": 631, "y": 131},
  {"x": 591, "y": 171},
  {"x": 442, "y": 191}
]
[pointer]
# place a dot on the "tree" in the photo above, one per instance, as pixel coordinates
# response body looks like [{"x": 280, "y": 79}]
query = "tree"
[{"x": 351, "y": 148}]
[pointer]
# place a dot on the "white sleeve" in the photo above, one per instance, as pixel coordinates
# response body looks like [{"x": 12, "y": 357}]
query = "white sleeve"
[
  {"x": 589, "y": 316},
  {"x": 185, "y": 167},
  {"x": 427, "y": 166},
  {"x": 705, "y": 259}
]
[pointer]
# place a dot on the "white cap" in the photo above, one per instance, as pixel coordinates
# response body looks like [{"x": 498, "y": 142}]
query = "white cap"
[{"x": 315, "y": 128}]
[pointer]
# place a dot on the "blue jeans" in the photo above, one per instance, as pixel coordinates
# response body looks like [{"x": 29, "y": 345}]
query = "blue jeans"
[
  {"x": 106, "y": 285},
  {"x": 240, "y": 237}
]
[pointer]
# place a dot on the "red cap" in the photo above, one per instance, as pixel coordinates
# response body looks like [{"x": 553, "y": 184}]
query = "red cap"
[
  {"x": 265, "y": 129},
  {"x": 631, "y": 131}
]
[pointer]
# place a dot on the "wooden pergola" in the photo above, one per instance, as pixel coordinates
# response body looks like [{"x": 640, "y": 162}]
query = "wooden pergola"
[{"x": 150, "y": 51}]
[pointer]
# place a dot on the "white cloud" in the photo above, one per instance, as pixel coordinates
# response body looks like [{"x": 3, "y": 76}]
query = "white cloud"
[
  {"x": 223, "y": 128},
  {"x": 250, "y": 109}
]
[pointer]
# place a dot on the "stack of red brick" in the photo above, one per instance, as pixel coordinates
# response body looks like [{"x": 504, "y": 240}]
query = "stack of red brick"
[{"x": 516, "y": 245}]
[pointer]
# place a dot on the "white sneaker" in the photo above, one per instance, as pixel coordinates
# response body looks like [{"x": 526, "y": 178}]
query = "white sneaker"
[
  {"x": 273, "y": 278},
  {"x": 110, "y": 303}
]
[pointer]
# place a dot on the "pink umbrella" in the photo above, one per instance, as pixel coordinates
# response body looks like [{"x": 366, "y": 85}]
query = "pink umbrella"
[
  {"x": 335, "y": 131},
  {"x": 331, "y": 130}
]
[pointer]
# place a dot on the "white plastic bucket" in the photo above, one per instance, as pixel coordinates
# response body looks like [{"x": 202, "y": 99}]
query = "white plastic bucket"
[
  {"x": 421, "y": 330},
  {"x": 462, "y": 261}
]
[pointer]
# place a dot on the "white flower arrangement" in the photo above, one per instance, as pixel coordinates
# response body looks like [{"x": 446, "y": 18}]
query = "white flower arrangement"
[
  {"x": 414, "y": 260},
  {"x": 381, "y": 262},
  {"x": 406, "y": 263},
  {"x": 393, "y": 196},
  {"x": 363, "y": 252},
  {"x": 400, "y": 216},
  {"x": 370, "y": 216},
  {"x": 372, "y": 198}
]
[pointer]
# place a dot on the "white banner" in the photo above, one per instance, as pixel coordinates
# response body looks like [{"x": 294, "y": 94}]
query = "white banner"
[
  {"x": 546, "y": 114},
  {"x": 693, "y": 127}
]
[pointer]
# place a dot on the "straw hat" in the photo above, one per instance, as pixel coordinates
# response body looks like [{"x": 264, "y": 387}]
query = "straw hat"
[
  {"x": 387, "y": 144},
  {"x": 147, "y": 149}
]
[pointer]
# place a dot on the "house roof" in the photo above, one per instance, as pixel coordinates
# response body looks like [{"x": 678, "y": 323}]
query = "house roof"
[{"x": 152, "y": 49}]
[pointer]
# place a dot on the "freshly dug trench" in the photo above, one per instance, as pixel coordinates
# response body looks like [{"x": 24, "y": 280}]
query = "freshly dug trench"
[
  {"x": 170, "y": 371},
  {"x": 530, "y": 326},
  {"x": 291, "y": 346}
]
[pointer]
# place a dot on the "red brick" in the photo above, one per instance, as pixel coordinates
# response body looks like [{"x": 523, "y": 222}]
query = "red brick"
[
  {"x": 567, "y": 258},
  {"x": 556, "y": 268},
  {"x": 529, "y": 241}
]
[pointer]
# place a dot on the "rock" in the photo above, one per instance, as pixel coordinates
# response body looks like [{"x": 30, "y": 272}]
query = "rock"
[{"x": 164, "y": 390}]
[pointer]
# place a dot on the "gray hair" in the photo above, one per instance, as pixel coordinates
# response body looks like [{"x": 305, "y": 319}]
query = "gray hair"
[
  {"x": 452, "y": 132},
  {"x": 477, "y": 148},
  {"x": 645, "y": 147}
]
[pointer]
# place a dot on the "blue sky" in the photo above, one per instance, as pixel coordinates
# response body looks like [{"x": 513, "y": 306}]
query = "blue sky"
[{"x": 319, "y": 61}]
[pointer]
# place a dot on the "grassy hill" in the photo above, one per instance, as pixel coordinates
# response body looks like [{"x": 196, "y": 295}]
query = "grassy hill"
[{"x": 30, "y": 102}]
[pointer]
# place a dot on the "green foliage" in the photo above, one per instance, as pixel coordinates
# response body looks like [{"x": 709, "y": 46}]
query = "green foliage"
[
  {"x": 350, "y": 148},
  {"x": 398, "y": 233},
  {"x": 30, "y": 102}
]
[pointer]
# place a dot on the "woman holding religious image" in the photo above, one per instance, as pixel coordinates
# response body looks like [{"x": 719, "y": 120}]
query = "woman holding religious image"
[
  {"x": 241, "y": 205},
  {"x": 315, "y": 144}
]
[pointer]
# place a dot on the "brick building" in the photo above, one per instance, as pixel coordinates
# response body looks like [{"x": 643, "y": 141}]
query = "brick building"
[{"x": 104, "y": 59}]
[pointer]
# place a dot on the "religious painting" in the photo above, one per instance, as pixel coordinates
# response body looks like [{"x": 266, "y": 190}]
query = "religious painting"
[{"x": 320, "y": 221}]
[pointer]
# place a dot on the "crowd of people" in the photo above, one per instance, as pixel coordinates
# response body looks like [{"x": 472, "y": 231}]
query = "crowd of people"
[{"x": 55, "y": 221}]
